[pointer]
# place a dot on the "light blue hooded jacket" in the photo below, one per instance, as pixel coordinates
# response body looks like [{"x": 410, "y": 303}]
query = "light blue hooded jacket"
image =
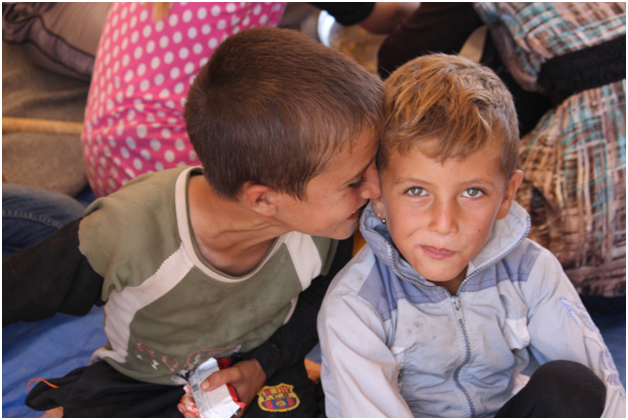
[{"x": 396, "y": 345}]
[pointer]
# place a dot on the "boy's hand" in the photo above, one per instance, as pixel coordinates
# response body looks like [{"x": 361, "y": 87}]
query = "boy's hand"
[{"x": 247, "y": 377}]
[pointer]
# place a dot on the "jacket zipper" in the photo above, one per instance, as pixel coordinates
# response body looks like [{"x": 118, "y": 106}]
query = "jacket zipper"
[{"x": 455, "y": 301}]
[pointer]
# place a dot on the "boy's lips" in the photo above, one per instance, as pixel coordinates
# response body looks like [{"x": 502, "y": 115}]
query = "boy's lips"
[
  {"x": 437, "y": 253},
  {"x": 354, "y": 215}
]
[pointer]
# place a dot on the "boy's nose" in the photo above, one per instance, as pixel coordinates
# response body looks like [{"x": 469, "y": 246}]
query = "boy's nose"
[
  {"x": 444, "y": 218},
  {"x": 371, "y": 187}
]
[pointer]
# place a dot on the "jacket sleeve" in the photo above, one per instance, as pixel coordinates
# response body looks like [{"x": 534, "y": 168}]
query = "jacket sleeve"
[
  {"x": 293, "y": 341},
  {"x": 49, "y": 277},
  {"x": 359, "y": 372},
  {"x": 560, "y": 328}
]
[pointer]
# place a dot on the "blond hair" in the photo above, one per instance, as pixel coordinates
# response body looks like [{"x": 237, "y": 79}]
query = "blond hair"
[{"x": 462, "y": 104}]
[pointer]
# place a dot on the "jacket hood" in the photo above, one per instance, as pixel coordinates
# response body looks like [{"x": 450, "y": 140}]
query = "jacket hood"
[{"x": 505, "y": 236}]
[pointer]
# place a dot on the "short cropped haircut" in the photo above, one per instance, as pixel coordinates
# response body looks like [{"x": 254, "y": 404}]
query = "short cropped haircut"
[
  {"x": 462, "y": 104},
  {"x": 271, "y": 106}
]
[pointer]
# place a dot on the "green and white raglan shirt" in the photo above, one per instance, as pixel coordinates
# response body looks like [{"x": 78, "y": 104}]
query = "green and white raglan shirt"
[{"x": 167, "y": 309}]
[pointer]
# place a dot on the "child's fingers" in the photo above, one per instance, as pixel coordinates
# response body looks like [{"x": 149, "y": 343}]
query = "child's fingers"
[{"x": 224, "y": 376}]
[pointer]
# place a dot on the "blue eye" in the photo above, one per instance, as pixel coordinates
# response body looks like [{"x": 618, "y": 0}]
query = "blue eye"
[
  {"x": 473, "y": 193},
  {"x": 416, "y": 191}
]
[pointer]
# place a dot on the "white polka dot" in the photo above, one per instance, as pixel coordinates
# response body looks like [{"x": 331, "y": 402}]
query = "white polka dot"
[
  {"x": 125, "y": 60},
  {"x": 257, "y": 10},
  {"x": 128, "y": 76},
  {"x": 177, "y": 37},
  {"x": 206, "y": 29},
  {"x": 189, "y": 68},
  {"x": 170, "y": 104},
  {"x": 109, "y": 104},
  {"x": 129, "y": 91},
  {"x": 172, "y": 121},
  {"x": 193, "y": 155},
  {"x": 135, "y": 36},
  {"x": 116, "y": 50},
  {"x": 116, "y": 160},
  {"x": 169, "y": 155},
  {"x": 141, "y": 131},
  {"x": 235, "y": 19},
  {"x": 168, "y": 57},
  {"x": 150, "y": 47},
  {"x": 148, "y": 97},
  {"x": 159, "y": 166},
  {"x": 129, "y": 173},
  {"x": 141, "y": 69},
  {"x": 133, "y": 7},
  {"x": 178, "y": 88},
  {"x": 124, "y": 28},
  {"x": 163, "y": 41},
  {"x": 133, "y": 21},
  {"x": 159, "y": 79},
  {"x": 107, "y": 151},
  {"x": 116, "y": 82},
  {"x": 130, "y": 142},
  {"x": 114, "y": 172},
  {"x": 107, "y": 58},
  {"x": 198, "y": 48},
  {"x": 174, "y": 72},
  {"x": 165, "y": 133},
  {"x": 155, "y": 144},
  {"x": 215, "y": 10},
  {"x": 192, "y": 32},
  {"x": 202, "y": 13},
  {"x": 144, "y": 85},
  {"x": 124, "y": 12},
  {"x": 213, "y": 42},
  {"x": 137, "y": 164},
  {"x": 144, "y": 15},
  {"x": 203, "y": 61},
  {"x": 246, "y": 20},
  {"x": 115, "y": 20},
  {"x": 183, "y": 53},
  {"x": 187, "y": 16},
  {"x": 124, "y": 152},
  {"x": 164, "y": 93},
  {"x": 125, "y": 43},
  {"x": 159, "y": 26},
  {"x": 147, "y": 30},
  {"x": 222, "y": 24},
  {"x": 145, "y": 154},
  {"x": 173, "y": 19},
  {"x": 138, "y": 53},
  {"x": 230, "y": 8},
  {"x": 263, "y": 19},
  {"x": 179, "y": 144},
  {"x": 154, "y": 63},
  {"x": 116, "y": 66},
  {"x": 116, "y": 33},
  {"x": 119, "y": 97}
]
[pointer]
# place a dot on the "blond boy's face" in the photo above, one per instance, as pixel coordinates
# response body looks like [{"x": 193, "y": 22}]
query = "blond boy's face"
[
  {"x": 440, "y": 215},
  {"x": 334, "y": 197}
]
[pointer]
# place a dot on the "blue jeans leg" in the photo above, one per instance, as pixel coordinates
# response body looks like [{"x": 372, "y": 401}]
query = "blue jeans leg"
[{"x": 30, "y": 215}]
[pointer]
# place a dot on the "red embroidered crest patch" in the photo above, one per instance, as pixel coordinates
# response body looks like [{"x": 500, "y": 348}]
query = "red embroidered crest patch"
[{"x": 278, "y": 398}]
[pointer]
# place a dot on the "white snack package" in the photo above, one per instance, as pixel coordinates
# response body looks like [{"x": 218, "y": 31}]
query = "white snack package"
[{"x": 214, "y": 404}]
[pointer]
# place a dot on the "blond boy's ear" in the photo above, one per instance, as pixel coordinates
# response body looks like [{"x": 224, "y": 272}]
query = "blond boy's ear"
[
  {"x": 378, "y": 207},
  {"x": 259, "y": 198},
  {"x": 511, "y": 190}
]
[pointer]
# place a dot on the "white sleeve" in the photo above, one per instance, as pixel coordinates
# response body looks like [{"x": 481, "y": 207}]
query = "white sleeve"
[
  {"x": 359, "y": 371},
  {"x": 561, "y": 329}
]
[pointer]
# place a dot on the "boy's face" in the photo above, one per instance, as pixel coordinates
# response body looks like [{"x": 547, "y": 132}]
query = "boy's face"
[
  {"x": 333, "y": 197},
  {"x": 440, "y": 215}
]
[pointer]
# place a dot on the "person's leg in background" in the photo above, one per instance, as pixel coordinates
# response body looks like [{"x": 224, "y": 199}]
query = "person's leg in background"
[{"x": 30, "y": 215}]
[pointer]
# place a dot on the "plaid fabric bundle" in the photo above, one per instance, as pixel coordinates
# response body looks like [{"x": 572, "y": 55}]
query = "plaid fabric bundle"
[{"x": 574, "y": 161}]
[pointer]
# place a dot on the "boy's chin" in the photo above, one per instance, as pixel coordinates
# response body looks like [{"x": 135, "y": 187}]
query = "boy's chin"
[{"x": 342, "y": 232}]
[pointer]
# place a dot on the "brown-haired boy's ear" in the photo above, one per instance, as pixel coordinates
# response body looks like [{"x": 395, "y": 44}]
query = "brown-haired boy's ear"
[
  {"x": 378, "y": 207},
  {"x": 260, "y": 199},
  {"x": 511, "y": 189}
]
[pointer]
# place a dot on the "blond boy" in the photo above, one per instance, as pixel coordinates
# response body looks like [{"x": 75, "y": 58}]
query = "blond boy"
[{"x": 438, "y": 315}]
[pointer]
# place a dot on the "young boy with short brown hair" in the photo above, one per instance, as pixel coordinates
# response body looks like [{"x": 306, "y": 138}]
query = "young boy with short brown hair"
[
  {"x": 193, "y": 263},
  {"x": 437, "y": 316}
]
